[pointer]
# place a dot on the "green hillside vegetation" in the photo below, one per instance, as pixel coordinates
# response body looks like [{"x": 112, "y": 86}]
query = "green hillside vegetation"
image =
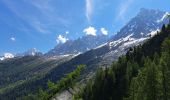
[
  {"x": 142, "y": 74},
  {"x": 19, "y": 71},
  {"x": 53, "y": 88}
]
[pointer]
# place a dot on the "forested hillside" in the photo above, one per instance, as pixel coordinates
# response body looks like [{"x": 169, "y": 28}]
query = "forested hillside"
[
  {"x": 17, "y": 72},
  {"x": 53, "y": 88},
  {"x": 142, "y": 74}
]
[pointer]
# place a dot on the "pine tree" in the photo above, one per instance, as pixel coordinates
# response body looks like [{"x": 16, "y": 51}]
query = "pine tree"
[
  {"x": 152, "y": 86},
  {"x": 132, "y": 90},
  {"x": 165, "y": 69},
  {"x": 87, "y": 93},
  {"x": 131, "y": 71},
  {"x": 163, "y": 28},
  {"x": 165, "y": 78},
  {"x": 140, "y": 83}
]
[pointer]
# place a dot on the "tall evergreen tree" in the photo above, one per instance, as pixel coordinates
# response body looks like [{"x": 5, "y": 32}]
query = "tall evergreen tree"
[
  {"x": 165, "y": 69},
  {"x": 152, "y": 85},
  {"x": 163, "y": 28},
  {"x": 165, "y": 76}
]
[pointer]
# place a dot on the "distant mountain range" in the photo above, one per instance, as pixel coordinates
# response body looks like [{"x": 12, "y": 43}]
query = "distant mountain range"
[
  {"x": 7, "y": 56},
  {"x": 80, "y": 45},
  {"x": 30, "y": 52},
  {"x": 141, "y": 26}
]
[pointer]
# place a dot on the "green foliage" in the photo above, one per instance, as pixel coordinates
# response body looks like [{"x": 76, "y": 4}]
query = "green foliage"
[
  {"x": 152, "y": 81},
  {"x": 165, "y": 69},
  {"x": 41, "y": 95},
  {"x": 69, "y": 80},
  {"x": 53, "y": 88},
  {"x": 143, "y": 74},
  {"x": 18, "y": 74}
]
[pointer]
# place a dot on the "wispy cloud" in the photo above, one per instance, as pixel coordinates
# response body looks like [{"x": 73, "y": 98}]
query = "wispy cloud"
[
  {"x": 40, "y": 27},
  {"x": 123, "y": 8},
  {"x": 43, "y": 18},
  {"x": 42, "y": 6},
  {"x": 30, "y": 19},
  {"x": 89, "y": 9}
]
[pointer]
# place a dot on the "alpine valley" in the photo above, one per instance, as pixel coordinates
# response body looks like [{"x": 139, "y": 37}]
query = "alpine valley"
[{"x": 95, "y": 67}]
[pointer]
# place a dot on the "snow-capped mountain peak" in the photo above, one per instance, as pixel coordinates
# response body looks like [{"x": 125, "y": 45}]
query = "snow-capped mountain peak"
[
  {"x": 30, "y": 52},
  {"x": 7, "y": 56},
  {"x": 163, "y": 17},
  {"x": 138, "y": 30},
  {"x": 145, "y": 22}
]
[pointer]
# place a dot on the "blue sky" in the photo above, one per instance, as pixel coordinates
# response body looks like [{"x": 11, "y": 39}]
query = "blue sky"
[{"x": 41, "y": 24}]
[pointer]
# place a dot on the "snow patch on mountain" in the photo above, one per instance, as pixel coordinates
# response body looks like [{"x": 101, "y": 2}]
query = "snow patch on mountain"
[
  {"x": 1, "y": 58},
  {"x": 142, "y": 33},
  {"x": 101, "y": 46},
  {"x": 77, "y": 54},
  {"x": 30, "y": 52},
  {"x": 135, "y": 41},
  {"x": 7, "y": 56},
  {"x": 153, "y": 33},
  {"x": 115, "y": 43},
  {"x": 128, "y": 37},
  {"x": 163, "y": 17}
]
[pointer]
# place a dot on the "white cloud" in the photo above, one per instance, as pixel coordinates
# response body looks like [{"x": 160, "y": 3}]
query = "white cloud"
[
  {"x": 89, "y": 9},
  {"x": 67, "y": 32},
  {"x": 104, "y": 31},
  {"x": 123, "y": 8},
  {"x": 13, "y": 39},
  {"x": 90, "y": 31},
  {"x": 61, "y": 39}
]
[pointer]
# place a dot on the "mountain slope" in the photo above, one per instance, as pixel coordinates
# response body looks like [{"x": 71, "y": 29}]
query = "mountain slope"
[
  {"x": 80, "y": 45},
  {"x": 143, "y": 74},
  {"x": 20, "y": 70},
  {"x": 30, "y": 52},
  {"x": 145, "y": 22}
]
